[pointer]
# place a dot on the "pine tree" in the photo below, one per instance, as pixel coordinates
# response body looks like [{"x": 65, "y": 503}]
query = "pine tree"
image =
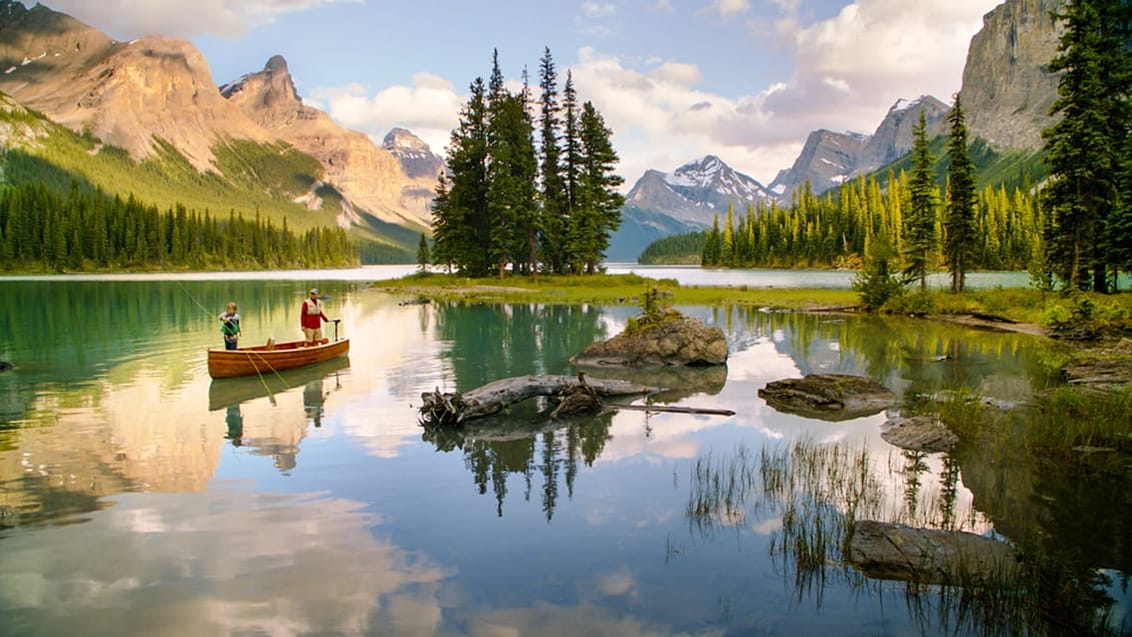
[
  {"x": 423, "y": 257},
  {"x": 1084, "y": 147},
  {"x": 467, "y": 202},
  {"x": 554, "y": 202},
  {"x": 920, "y": 224},
  {"x": 959, "y": 224},
  {"x": 597, "y": 208}
]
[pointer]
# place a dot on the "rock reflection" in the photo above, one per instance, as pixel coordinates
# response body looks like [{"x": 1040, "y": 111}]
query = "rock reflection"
[{"x": 224, "y": 562}]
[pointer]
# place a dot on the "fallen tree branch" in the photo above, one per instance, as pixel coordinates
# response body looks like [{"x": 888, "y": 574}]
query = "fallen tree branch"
[{"x": 677, "y": 410}]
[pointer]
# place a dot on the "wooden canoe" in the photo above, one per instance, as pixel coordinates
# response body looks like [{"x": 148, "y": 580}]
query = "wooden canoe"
[{"x": 266, "y": 359}]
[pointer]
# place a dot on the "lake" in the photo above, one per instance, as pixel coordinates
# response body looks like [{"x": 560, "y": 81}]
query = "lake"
[{"x": 144, "y": 498}]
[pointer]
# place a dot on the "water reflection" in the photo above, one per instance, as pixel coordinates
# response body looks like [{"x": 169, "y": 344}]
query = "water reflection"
[
  {"x": 196, "y": 480},
  {"x": 204, "y": 564}
]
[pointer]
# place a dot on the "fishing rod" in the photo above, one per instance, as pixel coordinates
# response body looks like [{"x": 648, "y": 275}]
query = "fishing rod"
[{"x": 270, "y": 395}]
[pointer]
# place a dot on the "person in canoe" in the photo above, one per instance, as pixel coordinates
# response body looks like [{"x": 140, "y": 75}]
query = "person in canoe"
[
  {"x": 312, "y": 318},
  {"x": 230, "y": 326}
]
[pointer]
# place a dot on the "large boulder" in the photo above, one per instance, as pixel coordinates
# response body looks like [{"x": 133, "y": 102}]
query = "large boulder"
[
  {"x": 928, "y": 556},
  {"x": 674, "y": 342},
  {"x": 918, "y": 433},
  {"x": 828, "y": 396}
]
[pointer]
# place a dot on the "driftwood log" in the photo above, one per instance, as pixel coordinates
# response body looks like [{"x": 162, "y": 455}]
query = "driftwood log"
[
  {"x": 573, "y": 395},
  {"x": 453, "y": 409}
]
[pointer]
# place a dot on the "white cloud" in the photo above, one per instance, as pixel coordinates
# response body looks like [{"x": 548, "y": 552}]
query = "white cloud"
[
  {"x": 595, "y": 10},
  {"x": 429, "y": 108},
  {"x": 727, "y": 8},
  {"x": 848, "y": 70},
  {"x": 225, "y": 18}
]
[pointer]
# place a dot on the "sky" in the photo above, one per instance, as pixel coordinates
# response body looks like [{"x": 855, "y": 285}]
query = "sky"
[{"x": 746, "y": 80}]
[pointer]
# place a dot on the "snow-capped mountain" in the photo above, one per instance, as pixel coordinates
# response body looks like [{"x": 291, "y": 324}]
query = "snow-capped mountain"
[
  {"x": 685, "y": 200},
  {"x": 696, "y": 192}
]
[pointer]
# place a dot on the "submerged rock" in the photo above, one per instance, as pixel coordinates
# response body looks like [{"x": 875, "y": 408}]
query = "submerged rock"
[
  {"x": 919, "y": 433},
  {"x": 6, "y": 366},
  {"x": 675, "y": 342},
  {"x": 928, "y": 556},
  {"x": 828, "y": 396}
]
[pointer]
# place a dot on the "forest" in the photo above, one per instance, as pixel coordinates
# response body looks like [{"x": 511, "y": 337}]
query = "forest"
[{"x": 44, "y": 231}]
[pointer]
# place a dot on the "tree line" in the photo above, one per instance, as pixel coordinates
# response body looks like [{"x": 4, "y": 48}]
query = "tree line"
[
  {"x": 43, "y": 230},
  {"x": 511, "y": 202}
]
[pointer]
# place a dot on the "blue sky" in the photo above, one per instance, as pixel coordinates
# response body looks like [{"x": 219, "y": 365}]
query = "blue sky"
[{"x": 675, "y": 79}]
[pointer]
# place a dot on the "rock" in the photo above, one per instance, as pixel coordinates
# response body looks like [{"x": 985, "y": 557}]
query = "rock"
[
  {"x": 5, "y": 366},
  {"x": 928, "y": 556},
  {"x": 828, "y": 396},
  {"x": 675, "y": 342},
  {"x": 8, "y": 516},
  {"x": 919, "y": 433},
  {"x": 1102, "y": 374}
]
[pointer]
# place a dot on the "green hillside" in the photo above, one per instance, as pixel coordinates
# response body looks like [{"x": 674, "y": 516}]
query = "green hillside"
[{"x": 250, "y": 179}]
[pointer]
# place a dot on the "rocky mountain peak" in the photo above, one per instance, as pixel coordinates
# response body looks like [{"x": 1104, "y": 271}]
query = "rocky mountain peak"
[
  {"x": 415, "y": 156},
  {"x": 270, "y": 91}
]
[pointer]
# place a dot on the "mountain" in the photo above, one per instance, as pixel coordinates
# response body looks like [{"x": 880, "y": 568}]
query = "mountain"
[
  {"x": 420, "y": 165},
  {"x": 370, "y": 176},
  {"x": 155, "y": 98},
  {"x": 1007, "y": 90},
  {"x": 828, "y": 158},
  {"x": 124, "y": 93},
  {"x": 695, "y": 192},
  {"x": 685, "y": 200}
]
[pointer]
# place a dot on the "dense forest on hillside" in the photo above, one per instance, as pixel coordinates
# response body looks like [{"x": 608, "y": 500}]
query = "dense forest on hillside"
[
  {"x": 834, "y": 230},
  {"x": 264, "y": 180},
  {"x": 43, "y": 231}
]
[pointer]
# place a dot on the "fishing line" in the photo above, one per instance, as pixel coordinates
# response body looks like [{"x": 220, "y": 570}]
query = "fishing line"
[{"x": 190, "y": 294}]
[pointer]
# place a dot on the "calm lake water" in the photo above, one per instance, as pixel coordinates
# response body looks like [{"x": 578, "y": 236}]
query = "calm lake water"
[{"x": 143, "y": 498}]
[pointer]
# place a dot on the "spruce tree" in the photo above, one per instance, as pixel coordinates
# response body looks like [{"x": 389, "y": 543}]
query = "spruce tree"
[
  {"x": 423, "y": 257},
  {"x": 959, "y": 223},
  {"x": 597, "y": 208},
  {"x": 554, "y": 204},
  {"x": 1084, "y": 147},
  {"x": 467, "y": 202},
  {"x": 920, "y": 224}
]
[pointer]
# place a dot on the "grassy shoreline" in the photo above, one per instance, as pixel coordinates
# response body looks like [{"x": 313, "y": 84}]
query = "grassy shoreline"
[{"x": 1002, "y": 305}]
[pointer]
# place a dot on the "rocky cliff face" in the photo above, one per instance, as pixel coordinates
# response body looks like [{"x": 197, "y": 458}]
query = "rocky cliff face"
[
  {"x": 124, "y": 93},
  {"x": 828, "y": 158},
  {"x": 1007, "y": 91},
  {"x": 367, "y": 174}
]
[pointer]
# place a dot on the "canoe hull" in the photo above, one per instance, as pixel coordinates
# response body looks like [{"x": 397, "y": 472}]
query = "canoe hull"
[{"x": 246, "y": 361}]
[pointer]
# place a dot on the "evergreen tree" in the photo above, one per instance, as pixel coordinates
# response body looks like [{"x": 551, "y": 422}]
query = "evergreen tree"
[
  {"x": 467, "y": 201},
  {"x": 554, "y": 201},
  {"x": 1083, "y": 147},
  {"x": 597, "y": 208},
  {"x": 959, "y": 224},
  {"x": 423, "y": 257},
  {"x": 920, "y": 225}
]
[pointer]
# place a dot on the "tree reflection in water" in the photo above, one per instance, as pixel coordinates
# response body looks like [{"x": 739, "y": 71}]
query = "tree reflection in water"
[{"x": 816, "y": 492}]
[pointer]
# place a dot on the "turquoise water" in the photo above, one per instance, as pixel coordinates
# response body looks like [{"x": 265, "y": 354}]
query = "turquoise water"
[{"x": 147, "y": 499}]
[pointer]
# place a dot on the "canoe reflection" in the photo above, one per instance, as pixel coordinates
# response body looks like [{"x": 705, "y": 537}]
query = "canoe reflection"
[{"x": 227, "y": 392}]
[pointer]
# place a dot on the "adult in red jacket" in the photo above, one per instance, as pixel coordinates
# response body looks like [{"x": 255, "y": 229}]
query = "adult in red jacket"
[{"x": 313, "y": 317}]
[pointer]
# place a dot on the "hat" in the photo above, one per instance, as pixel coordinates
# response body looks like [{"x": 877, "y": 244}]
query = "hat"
[{"x": 314, "y": 290}]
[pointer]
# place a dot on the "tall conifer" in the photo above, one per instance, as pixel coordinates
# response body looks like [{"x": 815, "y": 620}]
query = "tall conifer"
[{"x": 959, "y": 223}]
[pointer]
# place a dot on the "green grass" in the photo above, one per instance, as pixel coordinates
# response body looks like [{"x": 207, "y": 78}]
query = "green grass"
[{"x": 619, "y": 289}]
